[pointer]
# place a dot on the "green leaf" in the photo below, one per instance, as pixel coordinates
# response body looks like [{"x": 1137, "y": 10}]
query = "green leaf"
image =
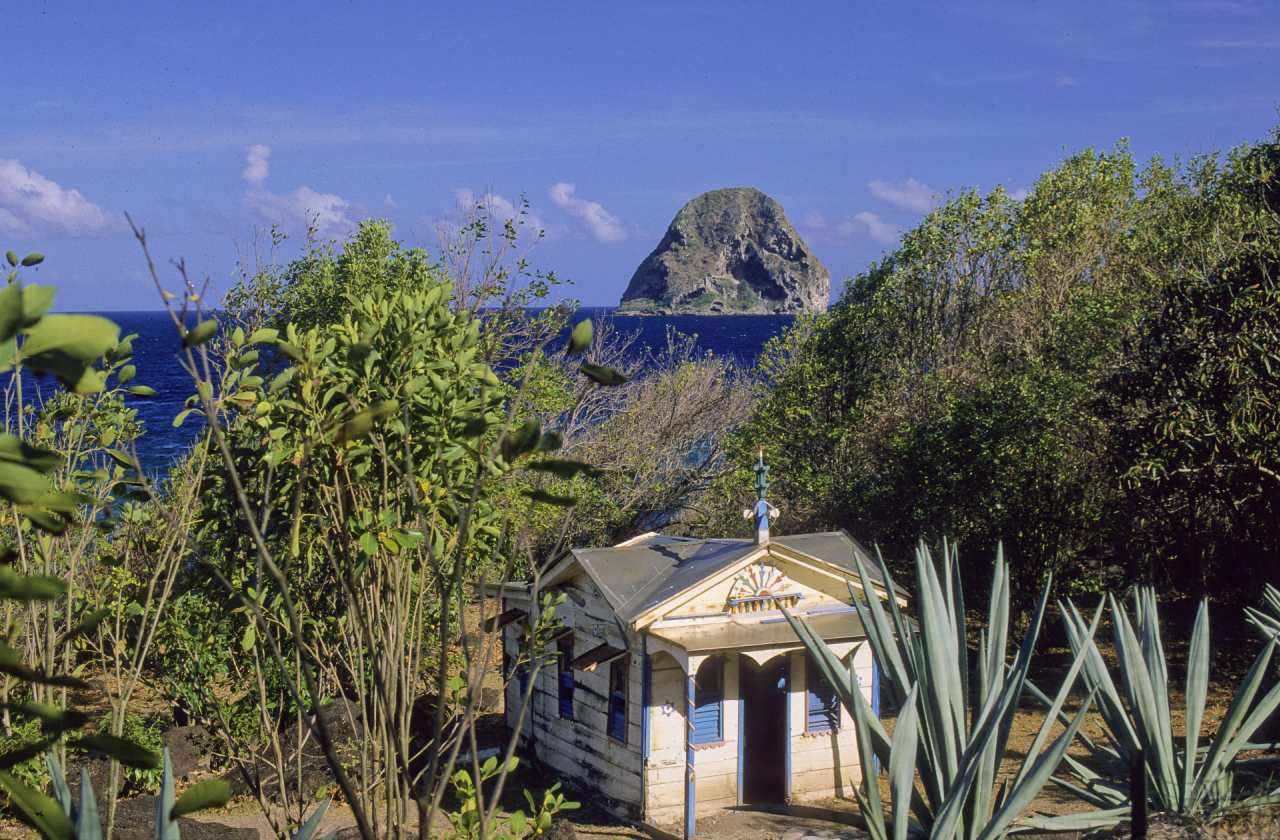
[
  {"x": 312, "y": 825},
  {"x": 126, "y": 374},
  {"x": 290, "y": 350},
  {"x": 53, "y": 720},
  {"x": 18, "y": 587},
  {"x": 200, "y": 333},
  {"x": 18, "y": 451},
  {"x": 121, "y": 458},
  {"x": 42, "y": 812},
  {"x": 84, "y": 338},
  {"x": 521, "y": 440},
  {"x": 87, "y": 624},
  {"x": 362, "y": 423},
  {"x": 36, "y": 301},
  {"x": 565, "y": 469},
  {"x": 264, "y": 336},
  {"x": 122, "y": 750},
  {"x": 32, "y": 259},
  {"x": 580, "y": 337},
  {"x": 12, "y": 258},
  {"x": 602, "y": 375},
  {"x": 10, "y": 311},
  {"x": 142, "y": 390},
  {"x": 550, "y": 499},
  {"x": 211, "y": 793}
]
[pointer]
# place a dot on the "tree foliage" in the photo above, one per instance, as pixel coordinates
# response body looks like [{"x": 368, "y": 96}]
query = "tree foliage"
[{"x": 1080, "y": 373}]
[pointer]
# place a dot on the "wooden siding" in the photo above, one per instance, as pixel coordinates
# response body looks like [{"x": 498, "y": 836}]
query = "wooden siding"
[{"x": 579, "y": 751}]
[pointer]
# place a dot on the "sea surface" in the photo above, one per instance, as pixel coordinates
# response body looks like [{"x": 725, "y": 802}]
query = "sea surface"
[{"x": 737, "y": 337}]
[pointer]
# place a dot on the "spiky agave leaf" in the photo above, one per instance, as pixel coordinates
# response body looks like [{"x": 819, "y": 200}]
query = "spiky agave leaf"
[
  {"x": 955, "y": 747},
  {"x": 1137, "y": 718}
]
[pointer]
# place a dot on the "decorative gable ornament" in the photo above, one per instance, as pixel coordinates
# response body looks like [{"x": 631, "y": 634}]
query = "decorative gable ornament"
[{"x": 759, "y": 587}]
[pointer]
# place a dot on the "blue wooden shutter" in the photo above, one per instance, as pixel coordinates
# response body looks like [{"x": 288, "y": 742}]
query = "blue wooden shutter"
[
  {"x": 708, "y": 702},
  {"x": 823, "y": 707},
  {"x": 618, "y": 698},
  {"x": 566, "y": 676}
]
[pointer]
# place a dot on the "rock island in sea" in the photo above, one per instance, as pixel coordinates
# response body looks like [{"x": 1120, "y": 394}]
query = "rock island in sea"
[{"x": 729, "y": 252}]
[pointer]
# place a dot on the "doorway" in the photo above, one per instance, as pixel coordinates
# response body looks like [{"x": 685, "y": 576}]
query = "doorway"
[{"x": 765, "y": 730}]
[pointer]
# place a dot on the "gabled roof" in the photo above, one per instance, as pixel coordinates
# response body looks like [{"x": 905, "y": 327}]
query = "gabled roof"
[{"x": 642, "y": 573}]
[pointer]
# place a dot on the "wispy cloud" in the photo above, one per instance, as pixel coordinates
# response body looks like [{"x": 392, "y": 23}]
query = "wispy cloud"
[
  {"x": 910, "y": 195},
  {"x": 304, "y": 207},
  {"x": 870, "y": 226},
  {"x": 1240, "y": 43},
  {"x": 31, "y": 204},
  {"x": 602, "y": 224}
]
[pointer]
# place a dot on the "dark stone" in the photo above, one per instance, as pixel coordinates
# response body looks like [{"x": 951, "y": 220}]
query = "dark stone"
[
  {"x": 729, "y": 251},
  {"x": 561, "y": 830},
  {"x": 190, "y": 748}
]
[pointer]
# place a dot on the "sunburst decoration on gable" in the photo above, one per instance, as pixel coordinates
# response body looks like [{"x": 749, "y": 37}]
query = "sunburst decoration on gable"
[{"x": 760, "y": 587}]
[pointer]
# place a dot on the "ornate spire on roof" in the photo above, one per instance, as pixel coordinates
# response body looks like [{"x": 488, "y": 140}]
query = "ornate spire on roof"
[{"x": 762, "y": 511}]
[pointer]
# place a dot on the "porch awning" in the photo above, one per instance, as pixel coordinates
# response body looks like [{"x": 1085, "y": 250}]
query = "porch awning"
[
  {"x": 497, "y": 622},
  {"x": 771, "y": 632},
  {"x": 598, "y": 655}
]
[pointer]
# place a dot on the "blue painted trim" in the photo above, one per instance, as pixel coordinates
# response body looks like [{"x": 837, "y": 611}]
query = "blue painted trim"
[
  {"x": 875, "y": 686},
  {"x": 786, "y": 722},
  {"x": 646, "y": 676},
  {"x": 742, "y": 727},
  {"x": 690, "y": 783},
  {"x": 875, "y": 702}
]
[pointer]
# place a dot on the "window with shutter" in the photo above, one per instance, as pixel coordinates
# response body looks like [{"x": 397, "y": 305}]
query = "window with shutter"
[
  {"x": 618, "y": 698},
  {"x": 823, "y": 704},
  {"x": 708, "y": 703},
  {"x": 565, "y": 674}
]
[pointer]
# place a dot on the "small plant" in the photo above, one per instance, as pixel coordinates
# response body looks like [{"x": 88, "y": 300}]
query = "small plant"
[
  {"x": 951, "y": 734},
  {"x": 145, "y": 733},
  {"x": 518, "y": 824},
  {"x": 1183, "y": 776}
]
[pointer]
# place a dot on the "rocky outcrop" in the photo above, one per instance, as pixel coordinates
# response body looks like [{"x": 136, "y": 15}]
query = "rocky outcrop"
[{"x": 729, "y": 251}]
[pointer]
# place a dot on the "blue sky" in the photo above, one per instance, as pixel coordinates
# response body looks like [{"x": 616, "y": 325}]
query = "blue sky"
[{"x": 208, "y": 122}]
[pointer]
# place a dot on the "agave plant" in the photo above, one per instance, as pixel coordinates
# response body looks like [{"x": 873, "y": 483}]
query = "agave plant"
[
  {"x": 950, "y": 733},
  {"x": 1267, "y": 620},
  {"x": 1182, "y": 775},
  {"x": 63, "y": 817}
]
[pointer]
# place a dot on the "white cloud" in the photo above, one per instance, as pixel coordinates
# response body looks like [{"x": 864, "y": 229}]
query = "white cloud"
[
  {"x": 302, "y": 207},
  {"x": 256, "y": 165},
  {"x": 602, "y": 224},
  {"x": 910, "y": 195},
  {"x": 33, "y": 205},
  {"x": 870, "y": 225},
  {"x": 814, "y": 219}
]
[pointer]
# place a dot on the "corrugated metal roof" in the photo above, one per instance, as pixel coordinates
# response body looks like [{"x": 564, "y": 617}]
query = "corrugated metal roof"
[
  {"x": 835, "y": 547},
  {"x": 636, "y": 578},
  {"x": 640, "y": 575}
]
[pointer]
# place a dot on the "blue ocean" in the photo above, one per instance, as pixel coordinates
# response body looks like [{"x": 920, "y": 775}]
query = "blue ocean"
[{"x": 736, "y": 337}]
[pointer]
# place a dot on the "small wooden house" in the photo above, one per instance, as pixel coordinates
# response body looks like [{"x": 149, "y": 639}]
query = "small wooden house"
[{"x": 678, "y": 686}]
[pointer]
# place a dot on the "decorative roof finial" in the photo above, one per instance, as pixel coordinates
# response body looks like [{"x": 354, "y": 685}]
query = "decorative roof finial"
[
  {"x": 762, "y": 477},
  {"x": 762, "y": 511}
]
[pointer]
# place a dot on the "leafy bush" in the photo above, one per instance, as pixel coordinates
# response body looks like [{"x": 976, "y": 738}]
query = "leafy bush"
[{"x": 146, "y": 733}]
